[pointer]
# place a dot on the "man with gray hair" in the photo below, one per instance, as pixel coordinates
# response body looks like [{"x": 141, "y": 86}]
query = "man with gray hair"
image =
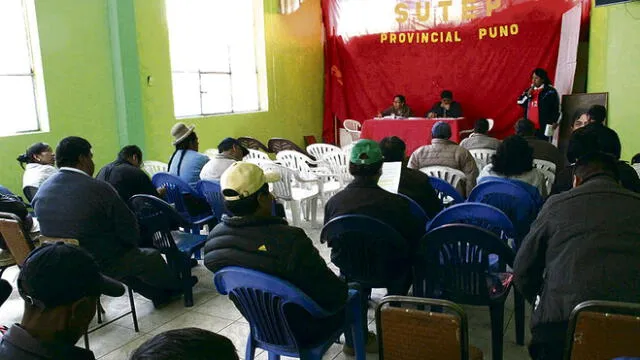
[{"x": 444, "y": 152}]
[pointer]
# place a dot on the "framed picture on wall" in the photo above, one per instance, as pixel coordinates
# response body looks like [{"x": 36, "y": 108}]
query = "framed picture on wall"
[{"x": 574, "y": 109}]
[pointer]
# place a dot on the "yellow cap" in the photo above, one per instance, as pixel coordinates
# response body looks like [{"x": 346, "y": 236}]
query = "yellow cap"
[{"x": 244, "y": 179}]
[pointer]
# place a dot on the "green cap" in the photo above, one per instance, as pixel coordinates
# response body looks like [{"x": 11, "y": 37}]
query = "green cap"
[{"x": 366, "y": 152}]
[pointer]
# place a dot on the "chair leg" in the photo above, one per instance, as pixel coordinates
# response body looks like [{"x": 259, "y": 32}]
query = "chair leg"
[
  {"x": 497, "y": 330},
  {"x": 186, "y": 282},
  {"x": 134, "y": 315},
  {"x": 295, "y": 213},
  {"x": 99, "y": 310},
  {"x": 273, "y": 356},
  {"x": 251, "y": 349},
  {"x": 519, "y": 308},
  {"x": 86, "y": 341},
  {"x": 314, "y": 209}
]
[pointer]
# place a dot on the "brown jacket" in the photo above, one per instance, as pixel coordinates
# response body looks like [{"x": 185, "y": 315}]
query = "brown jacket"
[{"x": 443, "y": 152}]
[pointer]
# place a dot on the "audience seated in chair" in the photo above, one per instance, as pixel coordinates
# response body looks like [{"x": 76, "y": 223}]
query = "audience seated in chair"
[
  {"x": 252, "y": 238},
  {"x": 595, "y": 138},
  {"x": 444, "y": 152},
  {"x": 479, "y": 138},
  {"x": 363, "y": 196},
  {"x": 186, "y": 162},
  {"x": 40, "y": 161},
  {"x": 413, "y": 183},
  {"x": 514, "y": 160},
  {"x": 60, "y": 285},
  {"x": 12, "y": 204},
  {"x": 73, "y": 205},
  {"x": 229, "y": 151},
  {"x": 125, "y": 175},
  {"x": 582, "y": 246},
  {"x": 186, "y": 344},
  {"x": 542, "y": 149}
]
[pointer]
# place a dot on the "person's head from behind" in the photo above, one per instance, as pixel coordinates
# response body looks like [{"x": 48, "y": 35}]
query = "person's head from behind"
[
  {"x": 232, "y": 148},
  {"x": 595, "y": 164},
  {"x": 525, "y": 127},
  {"x": 38, "y": 153},
  {"x": 60, "y": 284},
  {"x": 592, "y": 139},
  {"x": 441, "y": 130},
  {"x": 245, "y": 188},
  {"x": 597, "y": 114},
  {"x": 580, "y": 119},
  {"x": 481, "y": 126},
  {"x": 184, "y": 137},
  {"x": 186, "y": 344},
  {"x": 366, "y": 160},
  {"x": 446, "y": 97},
  {"x": 75, "y": 152},
  {"x": 393, "y": 149},
  {"x": 399, "y": 101},
  {"x": 131, "y": 154},
  {"x": 539, "y": 77},
  {"x": 513, "y": 157},
  {"x": 635, "y": 159}
]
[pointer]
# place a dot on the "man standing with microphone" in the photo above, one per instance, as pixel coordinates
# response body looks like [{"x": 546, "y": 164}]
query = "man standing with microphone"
[{"x": 541, "y": 104}]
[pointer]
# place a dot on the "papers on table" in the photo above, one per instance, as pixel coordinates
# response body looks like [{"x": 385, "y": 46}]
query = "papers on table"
[{"x": 390, "y": 179}]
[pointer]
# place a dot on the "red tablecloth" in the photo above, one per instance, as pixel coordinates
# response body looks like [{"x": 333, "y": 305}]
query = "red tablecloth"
[{"x": 414, "y": 132}]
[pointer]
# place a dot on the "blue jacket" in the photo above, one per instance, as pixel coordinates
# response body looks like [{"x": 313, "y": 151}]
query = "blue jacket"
[{"x": 187, "y": 164}]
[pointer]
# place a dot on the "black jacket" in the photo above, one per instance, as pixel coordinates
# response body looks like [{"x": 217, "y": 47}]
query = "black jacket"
[
  {"x": 628, "y": 179},
  {"x": 127, "y": 179},
  {"x": 584, "y": 245},
  {"x": 548, "y": 105},
  {"x": 455, "y": 110},
  {"x": 416, "y": 185},
  {"x": 18, "y": 344},
  {"x": 271, "y": 246}
]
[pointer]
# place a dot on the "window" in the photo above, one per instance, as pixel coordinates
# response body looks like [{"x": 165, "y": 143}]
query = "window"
[
  {"x": 217, "y": 56},
  {"x": 22, "y": 101}
]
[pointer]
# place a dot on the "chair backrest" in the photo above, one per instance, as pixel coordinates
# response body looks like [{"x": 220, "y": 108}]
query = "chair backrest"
[
  {"x": 352, "y": 125},
  {"x": 29, "y": 192},
  {"x": 296, "y": 161},
  {"x": 319, "y": 150},
  {"x": 157, "y": 218},
  {"x": 211, "y": 153},
  {"x": 281, "y": 188},
  {"x": 454, "y": 264},
  {"x": 545, "y": 165},
  {"x": 416, "y": 210},
  {"x": 447, "y": 194},
  {"x": 152, "y": 167},
  {"x": 279, "y": 144},
  {"x": 405, "y": 333},
  {"x": 251, "y": 143},
  {"x": 255, "y": 156},
  {"x": 14, "y": 237},
  {"x": 491, "y": 123},
  {"x": 482, "y": 156},
  {"x": 339, "y": 164},
  {"x": 513, "y": 199},
  {"x": 211, "y": 191},
  {"x": 636, "y": 167},
  {"x": 176, "y": 189},
  {"x": 603, "y": 330},
  {"x": 478, "y": 214},
  {"x": 450, "y": 175},
  {"x": 364, "y": 248},
  {"x": 261, "y": 299}
]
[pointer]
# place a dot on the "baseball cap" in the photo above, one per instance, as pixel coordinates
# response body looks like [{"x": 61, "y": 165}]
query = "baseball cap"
[
  {"x": 441, "y": 130},
  {"x": 60, "y": 274},
  {"x": 366, "y": 152},
  {"x": 243, "y": 179},
  {"x": 228, "y": 143}
]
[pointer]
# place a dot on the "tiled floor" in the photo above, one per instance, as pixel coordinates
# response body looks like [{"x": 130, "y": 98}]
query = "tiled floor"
[{"x": 216, "y": 313}]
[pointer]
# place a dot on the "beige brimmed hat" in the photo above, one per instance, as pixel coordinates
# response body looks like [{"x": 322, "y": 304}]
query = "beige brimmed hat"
[
  {"x": 180, "y": 131},
  {"x": 243, "y": 179}
]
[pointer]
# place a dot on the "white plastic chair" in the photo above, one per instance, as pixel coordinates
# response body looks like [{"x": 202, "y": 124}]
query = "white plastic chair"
[
  {"x": 482, "y": 157},
  {"x": 548, "y": 169},
  {"x": 450, "y": 175},
  {"x": 256, "y": 157},
  {"x": 339, "y": 164},
  {"x": 318, "y": 150},
  {"x": 327, "y": 181},
  {"x": 211, "y": 153},
  {"x": 353, "y": 128},
  {"x": 288, "y": 189},
  {"x": 636, "y": 166},
  {"x": 491, "y": 122},
  {"x": 151, "y": 167}
]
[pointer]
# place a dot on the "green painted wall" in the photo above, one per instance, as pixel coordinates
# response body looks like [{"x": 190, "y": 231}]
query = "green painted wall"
[
  {"x": 614, "y": 67},
  {"x": 294, "y": 54},
  {"x": 78, "y": 75}
]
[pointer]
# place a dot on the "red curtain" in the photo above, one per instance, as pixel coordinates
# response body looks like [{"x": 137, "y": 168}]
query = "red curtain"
[{"x": 362, "y": 74}]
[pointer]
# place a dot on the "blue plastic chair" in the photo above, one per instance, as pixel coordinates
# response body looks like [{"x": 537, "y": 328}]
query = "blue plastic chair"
[
  {"x": 448, "y": 194},
  {"x": 158, "y": 218},
  {"x": 366, "y": 250},
  {"x": 176, "y": 190},
  {"x": 262, "y": 298},
  {"x": 479, "y": 214},
  {"x": 453, "y": 264},
  {"x": 211, "y": 191},
  {"x": 416, "y": 210}
]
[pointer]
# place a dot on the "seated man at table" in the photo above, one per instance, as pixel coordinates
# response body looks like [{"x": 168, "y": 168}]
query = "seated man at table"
[
  {"x": 399, "y": 108},
  {"x": 479, "y": 138},
  {"x": 413, "y": 183},
  {"x": 446, "y": 107},
  {"x": 444, "y": 152},
  {"x": 584, "y": 245}
]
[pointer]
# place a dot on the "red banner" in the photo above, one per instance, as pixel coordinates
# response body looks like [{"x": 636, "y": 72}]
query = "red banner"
[{"x": 482, "y": 50}]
